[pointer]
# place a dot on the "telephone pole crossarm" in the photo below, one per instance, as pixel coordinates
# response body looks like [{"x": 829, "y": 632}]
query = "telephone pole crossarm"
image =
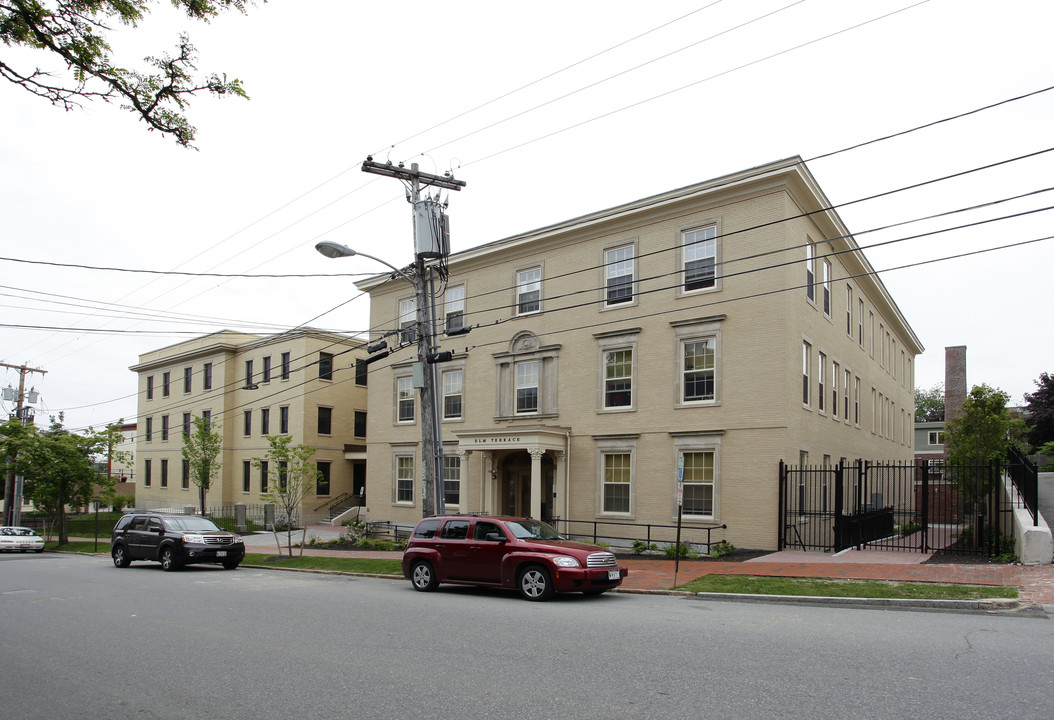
[{"x": 447, "y": 182}]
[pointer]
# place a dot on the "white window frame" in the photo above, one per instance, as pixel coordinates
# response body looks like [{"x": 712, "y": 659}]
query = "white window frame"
[
  {"x": 408, "y": 320},
  {"x": 620, "y": 261},
  {"x": 623, "y": 445},
  {"x": 699, "y": 242},
  {"x": 452, "y": 475},
  {"x": 528, "y": 282},
  {"x": 454, "y": 307},
  {"x": 405, "y": 395},
  {"x": 448, "y": 390},
  {"x": 810, "y": 271},
  {"x": 836, "y": 375},
  {"x": 849, "y": 310},
  {"x": 821, "y": 376},
  {"x": 693, "y": 444},
  {"x": 860, "y": 323},
  {"x": 690, "y": 331},
  {"x": 404, "y": 478},
  {"x": 827, "y": 288},
  {"x": 613, "y": 342},
  {"x": 525, "y": 346},
  {"x": 935, "y": 438},
  {"x": 527, "y": 375},
  {"x": 806, "y": 372}
]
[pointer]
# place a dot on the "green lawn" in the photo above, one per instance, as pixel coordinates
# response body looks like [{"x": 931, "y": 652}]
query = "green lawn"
[
  {"x": 823, "y": 587},
  {"x": 307, "y": 562}
]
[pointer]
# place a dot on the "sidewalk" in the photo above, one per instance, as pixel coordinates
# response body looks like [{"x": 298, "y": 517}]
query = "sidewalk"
[{"x": 1036, "y": 582}]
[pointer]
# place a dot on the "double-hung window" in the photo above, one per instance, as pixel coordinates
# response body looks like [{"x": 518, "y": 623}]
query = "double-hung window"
[
  {"x": 618, "y": 378},
  {"x": 325, "y": 366},
  {"x": 810, "y": 271},
  {"x": 322, "y": 479},
  {"x": 248, "y": 418},
  {"x": 835, "y": 377},
  {"x": 453, "y": 393},
  {"x": 166, "y": 382},
  {"x": 806, "y": 350},
  {"x": 700, "y": 477},
  {"x": 186, "y": 425},
  {"x": 248, "y": 373},
  {"x": 246, "y": 475},
  {"x": 698, "y": 368},
  {"x": 164, "y": 428},
  {"x": 164, "y": 472},
  {"x": 452, "y": 480},
  {"x": 527, "y": 387},
  {"x": 408, "y": 320},
  {"x": 265, "y": 421},
  {"x": 618, "y": 275},
  {"x": 286, "y": 362},
  {"x": 184, "y": 479},
  {"x": 699, "y": 249},
  {"x": 617, "y": 482},
  {"x": 827, "y": 288},
  {"x": 149, "y": 387},
  {"x": 266, "y": 369},
  {"x": 821, "y": 376},
  {"x": 404, "y": 479},
  {"x": 849, "y": 310},
  {"x": 325, "y": 421},
  {"x": 206, "y": 376},
  {"x": 404, "y": 399},
  {"x": 528, "y": 291},
  {"x": 188, "y": 375},
  {"x": 283, "y": 420},
  {"x": 455, "y": 307}
]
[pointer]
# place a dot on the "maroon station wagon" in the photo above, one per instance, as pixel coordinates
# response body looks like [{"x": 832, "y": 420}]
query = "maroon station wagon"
[{"x": 506, "y": 552}]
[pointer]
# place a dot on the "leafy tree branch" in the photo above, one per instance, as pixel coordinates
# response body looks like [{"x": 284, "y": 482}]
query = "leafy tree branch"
[{"x": 76, "y": 31}]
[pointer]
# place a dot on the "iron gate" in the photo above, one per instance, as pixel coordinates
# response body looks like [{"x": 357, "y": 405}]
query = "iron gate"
[{"x": 921, "y": 506}]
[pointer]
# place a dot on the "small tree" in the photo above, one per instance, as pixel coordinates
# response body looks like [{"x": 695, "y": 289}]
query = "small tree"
[
  {"x": 929, "y": 404},
  {"x": 201, "y": 450},
  {"x": 58, "y": 466},
  {"x": 291, "y": 477},
  {"x": 979, "y": 434}
]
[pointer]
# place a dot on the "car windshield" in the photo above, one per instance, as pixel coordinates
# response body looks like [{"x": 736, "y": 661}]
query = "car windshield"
[
  {"x": 532, "y": 529},
  {"x": 192, "y": 523},
  {"x": 17, "y": 531}
]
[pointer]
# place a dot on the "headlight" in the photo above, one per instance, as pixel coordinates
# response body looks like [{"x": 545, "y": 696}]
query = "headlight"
[
  {"x": 191, "y": 538},
  {"x": 564, "y": 561},
  {"x": 237, "y": 540}
]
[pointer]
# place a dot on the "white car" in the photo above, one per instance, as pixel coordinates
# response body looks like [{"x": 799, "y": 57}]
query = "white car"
[{"x": 20, "y": 539}]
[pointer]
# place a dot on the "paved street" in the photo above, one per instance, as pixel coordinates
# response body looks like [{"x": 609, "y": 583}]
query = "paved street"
[{"x": 260, "y": 644}]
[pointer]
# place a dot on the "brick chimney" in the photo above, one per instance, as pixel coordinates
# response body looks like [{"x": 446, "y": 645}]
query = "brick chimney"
[{"x": 954, "y": 380}]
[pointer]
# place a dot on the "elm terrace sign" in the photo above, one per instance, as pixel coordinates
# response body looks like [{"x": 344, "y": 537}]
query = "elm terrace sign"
[{"x": 501, "y": 439}]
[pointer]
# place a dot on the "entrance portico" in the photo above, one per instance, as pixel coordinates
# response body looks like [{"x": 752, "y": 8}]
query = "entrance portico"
[{"x": 507, "y": 487}]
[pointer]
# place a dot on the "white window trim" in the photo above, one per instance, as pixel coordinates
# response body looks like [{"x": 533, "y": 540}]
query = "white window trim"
[
  {"x": 692, "y": 443},
  {"x": 714, "y": 222},
  {"x": 456, "y": 367},
  {"x": 404, "y": 375},
  {"x": 526, "y": 346},
  {"x": 687, "y": 331},
  {"x": 616, "y": 445},
  {"x": 610, "y": 342},
  {"x": 449, "y": 452},
  {"x": 404, "y": 452},
  {"x": 633, "y": 301},
  {"x": 516, "y": 289},
  {"x": 442, "y": 322}
]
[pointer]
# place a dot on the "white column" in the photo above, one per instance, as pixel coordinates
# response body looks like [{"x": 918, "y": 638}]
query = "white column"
[
  {"x": 558, "y": 478},
  {"x": 536, "y": 482}
]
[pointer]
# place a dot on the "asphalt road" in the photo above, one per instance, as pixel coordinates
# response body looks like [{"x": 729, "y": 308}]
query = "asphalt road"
[{"x": 82, "y": 639}]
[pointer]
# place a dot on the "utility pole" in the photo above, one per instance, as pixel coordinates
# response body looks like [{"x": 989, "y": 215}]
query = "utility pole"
[
  {"x": 431, "y": 240},
  {"x": 13, "y": 484}
]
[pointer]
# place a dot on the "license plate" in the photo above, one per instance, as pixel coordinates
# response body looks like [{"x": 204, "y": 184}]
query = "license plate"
[
  {"x": 221, "y": 553},
  {"x": 613, "y": 575}
]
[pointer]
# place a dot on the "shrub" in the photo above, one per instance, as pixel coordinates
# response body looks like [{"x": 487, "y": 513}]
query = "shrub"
[
  {"x": 908, "y": 528},
  {"x": 686, "y": 551},
  {"x": 721, "y": 549},
  {"x": 640, "y": 547}
]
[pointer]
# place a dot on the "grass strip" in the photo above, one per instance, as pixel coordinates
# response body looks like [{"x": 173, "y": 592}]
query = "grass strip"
[
  {"x": 825, "y": 587},
  {"x": 308, "y": 562},
  {"x": 81, "y": 546}
]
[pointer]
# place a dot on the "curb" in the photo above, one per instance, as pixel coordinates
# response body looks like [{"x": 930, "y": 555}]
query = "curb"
[{"x": 986, "y": 605}]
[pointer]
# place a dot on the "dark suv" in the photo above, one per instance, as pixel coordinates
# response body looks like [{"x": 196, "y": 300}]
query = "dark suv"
[
  {"x": 506, "y": 552},
  {"x": 173, "y": 541}
]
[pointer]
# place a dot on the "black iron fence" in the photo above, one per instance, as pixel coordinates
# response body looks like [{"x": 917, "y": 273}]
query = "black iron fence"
[{"x": 922, "y": 506}]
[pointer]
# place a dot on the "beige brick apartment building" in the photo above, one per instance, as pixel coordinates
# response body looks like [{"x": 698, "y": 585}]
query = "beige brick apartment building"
[
  {"x": 302, "y": 383},
  {"x": 718, "y": 328}
]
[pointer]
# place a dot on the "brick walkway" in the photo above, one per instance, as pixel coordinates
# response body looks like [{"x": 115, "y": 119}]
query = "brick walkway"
[{"x": 1036, "y": 582}]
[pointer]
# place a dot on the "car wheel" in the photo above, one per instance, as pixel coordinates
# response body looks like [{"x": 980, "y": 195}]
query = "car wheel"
[
  {"x": 423, "y": 576},
  {"x": 231, "y": 564},
  {"x": 535, "y": 583},
  {"x": 168, "y": 560},
  {"x": 120, "y": 557}
]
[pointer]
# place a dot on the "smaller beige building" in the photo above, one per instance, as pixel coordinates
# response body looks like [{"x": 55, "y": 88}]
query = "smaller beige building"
[{"x": 307, "y": 384}]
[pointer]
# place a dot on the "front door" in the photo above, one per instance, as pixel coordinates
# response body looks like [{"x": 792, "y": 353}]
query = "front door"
[{"x": 516, "y": 492}]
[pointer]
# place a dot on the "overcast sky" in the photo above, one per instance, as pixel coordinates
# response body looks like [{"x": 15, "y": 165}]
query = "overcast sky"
[{"x": 548, "y": 111}]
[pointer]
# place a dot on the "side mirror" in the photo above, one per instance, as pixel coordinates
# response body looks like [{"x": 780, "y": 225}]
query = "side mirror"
[{"x": 496, "y": 537}]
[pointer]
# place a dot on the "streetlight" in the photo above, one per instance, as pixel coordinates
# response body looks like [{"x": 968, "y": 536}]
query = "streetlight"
[{"x": 423, "y": 374}]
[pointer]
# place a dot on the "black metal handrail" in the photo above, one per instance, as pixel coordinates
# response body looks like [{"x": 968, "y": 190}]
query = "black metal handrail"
[
  {"x": 565, "y": 526},
  {"x": 335, "y": 502}
]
